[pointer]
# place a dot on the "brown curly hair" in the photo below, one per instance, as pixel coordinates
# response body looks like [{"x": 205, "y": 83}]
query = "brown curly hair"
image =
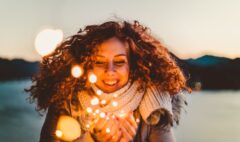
[{"x": 150, "y": 62}]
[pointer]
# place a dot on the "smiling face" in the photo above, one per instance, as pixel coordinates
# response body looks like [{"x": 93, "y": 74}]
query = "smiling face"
[{"x": 111, "y": 65}]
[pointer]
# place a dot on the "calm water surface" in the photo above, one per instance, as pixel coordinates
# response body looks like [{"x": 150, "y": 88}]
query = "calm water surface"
[{"x": 211, "y": 116}]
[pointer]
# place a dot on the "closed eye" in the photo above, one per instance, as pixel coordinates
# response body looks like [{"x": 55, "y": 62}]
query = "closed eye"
[
  {"x": 119, "y": 62},
  {"x": 100, "y": 63}
]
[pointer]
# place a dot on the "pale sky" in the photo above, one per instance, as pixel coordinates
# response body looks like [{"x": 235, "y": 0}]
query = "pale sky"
[{"x": 189, "y": 28}]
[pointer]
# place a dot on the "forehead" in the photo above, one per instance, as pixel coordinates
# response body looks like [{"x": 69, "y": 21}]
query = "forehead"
[{"x": 112, "y": 47}]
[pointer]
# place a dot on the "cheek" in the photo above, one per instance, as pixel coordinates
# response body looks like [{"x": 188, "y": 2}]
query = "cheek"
[
  {"x": 125, "y": 73},
  {"x": 98, "y": 72}
]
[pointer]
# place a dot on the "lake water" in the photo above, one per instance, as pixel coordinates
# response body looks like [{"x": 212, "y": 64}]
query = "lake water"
[{"x": 211, "y": 116}]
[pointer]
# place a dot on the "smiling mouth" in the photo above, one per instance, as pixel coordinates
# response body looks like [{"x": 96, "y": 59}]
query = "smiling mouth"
[{"x": 110, "y": 83}]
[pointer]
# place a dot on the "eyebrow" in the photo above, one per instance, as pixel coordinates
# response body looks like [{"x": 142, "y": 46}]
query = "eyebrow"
[{"x": 114, "y": 56}]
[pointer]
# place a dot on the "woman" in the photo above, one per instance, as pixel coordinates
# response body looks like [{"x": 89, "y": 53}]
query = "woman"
[{"x": 137, "y": 85}]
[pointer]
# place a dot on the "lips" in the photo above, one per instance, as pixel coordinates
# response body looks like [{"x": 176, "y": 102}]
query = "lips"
[{"x": 110, "y": 82}]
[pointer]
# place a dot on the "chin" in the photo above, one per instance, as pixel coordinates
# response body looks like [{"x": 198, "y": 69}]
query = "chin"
[{"x": 109, "y": 91}]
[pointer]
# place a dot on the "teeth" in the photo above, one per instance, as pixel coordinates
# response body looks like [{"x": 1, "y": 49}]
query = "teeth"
[{"x": 110, "y": 82}]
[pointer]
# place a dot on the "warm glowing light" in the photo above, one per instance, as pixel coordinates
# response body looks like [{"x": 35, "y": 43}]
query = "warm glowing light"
[
  {"x": 87, "y": 125},
  {"x": 137, "y": 120},
  {"x": 69, "y": 127},
  {"x": 58, "y": 133},
  {"x": 102, "y": 114},
  {"x": 47, "y": 40},
  {"x": 107, "y": 118},
  {"x": 115, "y": 95},
  {"x": 108, "y": 130},
  {"x": 76, "y": 71},
  {"x": 150, "y": 64},
  {"x": 113, "y": 116},
  {"x": 89, "y": 110},
  {"x": 103, "y": 102},
  {"x": 114, "y": 103},
  {"x": 99, "y": 92},
  {"x": 122, "y": 114},
  {"x": 97, "y": 111},
  {"x": 95, "y": 101},
  {"x": 92, "y": 78}
]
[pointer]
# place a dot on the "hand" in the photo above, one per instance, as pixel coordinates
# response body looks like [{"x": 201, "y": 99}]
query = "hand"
[
  {"x": 122, "y": 129},
  {"x": 107, "y": 130},
  {"x": 128, "y": 126}
]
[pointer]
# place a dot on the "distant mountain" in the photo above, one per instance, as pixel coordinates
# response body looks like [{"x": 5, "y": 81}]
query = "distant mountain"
[
  {"x": 206, "y": 72},
  {"x": 208, "y": 60},
  {"x": 17, "y": 69},
  {"x": 211, "y": 72}
]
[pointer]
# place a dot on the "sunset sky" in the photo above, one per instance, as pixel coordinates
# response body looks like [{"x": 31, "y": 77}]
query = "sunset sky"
[{"x": 189, "y": 28}]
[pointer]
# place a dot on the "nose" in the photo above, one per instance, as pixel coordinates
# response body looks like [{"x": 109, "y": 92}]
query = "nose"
[{"x": 110, "y": 69}]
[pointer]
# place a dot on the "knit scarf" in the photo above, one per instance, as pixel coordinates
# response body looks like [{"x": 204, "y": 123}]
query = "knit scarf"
[{"x": 150, "y": 101}]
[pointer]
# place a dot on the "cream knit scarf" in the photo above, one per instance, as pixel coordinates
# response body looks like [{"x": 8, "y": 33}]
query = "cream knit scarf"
[{"x": 151, "y": 102}]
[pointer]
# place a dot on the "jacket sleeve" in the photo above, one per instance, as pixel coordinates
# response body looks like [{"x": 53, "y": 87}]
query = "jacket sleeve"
[
  {"x": 161, "y": 134},
  {"x": 162, "y": 131},
  {"x": 50, "y": 124}
]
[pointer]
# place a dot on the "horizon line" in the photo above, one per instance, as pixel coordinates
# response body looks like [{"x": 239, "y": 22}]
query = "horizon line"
[{"x": 186, "y": 58}]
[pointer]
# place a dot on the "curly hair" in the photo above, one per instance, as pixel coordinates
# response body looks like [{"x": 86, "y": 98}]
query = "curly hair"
[{"x": 150, "y": 62}]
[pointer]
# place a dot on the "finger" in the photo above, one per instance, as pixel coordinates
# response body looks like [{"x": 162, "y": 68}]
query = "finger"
[
  {"x": 118, "y": 133},
  {"x": 132, "y": 120},
  {"x": 131, "y": 130},
  {"x": 104, "y": 133},
  {"x": 125, "y": 132},
  {"x": 117, "y": 136},
  {"x": 124, "y": 139},
  {"x": 100, "y": 124},
  {"x": 115, "y": 128},
  {"x": 110, "y": 130}
]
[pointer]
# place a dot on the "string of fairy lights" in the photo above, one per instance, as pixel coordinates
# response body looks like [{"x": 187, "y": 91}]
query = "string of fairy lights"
[
  {"x": 68, "y": 128},
  {"x": 95, "y": 101}
]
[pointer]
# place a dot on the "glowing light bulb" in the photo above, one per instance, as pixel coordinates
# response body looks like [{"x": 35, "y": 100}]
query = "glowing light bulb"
[
  {"x": 97, "y": 111},
  {"x": 150, "y": 64},
  {"x": 108, "y": 130},
  {"x": 92, "y": 78},
  {"x": 114, "y": 103},
  {"x": 69, "y": 128},
  {"x": 103, "y": 102},
  {"x": 95, "y": 101},
  {"x": 58, "y": 133},
  {"x": 99, "y": 92},
  {"x": 113, "y": 116},
  {"x": 137, "y": 120},
  {"x": 76, "y": 71},
  {"x": 87, "y": 125},
  {"x": 115, "y": 95},
  {"x": 102, "y": 114},
  {"x": 122, "y": 114},
  {"x": 47, "y": 40},
  {"x": 89, "y": 110}
]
